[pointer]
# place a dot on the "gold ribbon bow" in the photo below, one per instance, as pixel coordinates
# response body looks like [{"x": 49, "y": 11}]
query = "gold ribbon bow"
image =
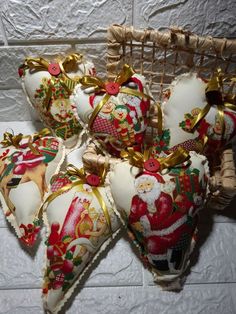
[
  {"x": 66, "y": 65},
  {"x": 41, "y": 64},
  {"x": 100, "y": 86},
  {"x": 10, "y": 139},
  {"x": 81, "y": 175},
  {"x": 214, "y": 97},
  {"x": 41, "y": 133},
  {"x": 138, "y": 159}
]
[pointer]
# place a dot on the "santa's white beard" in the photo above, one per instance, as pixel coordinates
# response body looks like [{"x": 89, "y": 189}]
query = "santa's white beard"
[{"x": 151, "y": 196}]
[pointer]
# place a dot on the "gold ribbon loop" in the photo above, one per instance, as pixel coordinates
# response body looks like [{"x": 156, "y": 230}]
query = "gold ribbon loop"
[
  {"x": 135, "y": 158},
  {"x": 179, "y": 156},
  {"x": 214, "y": 97},
  {"x": 125, "y": 74},
  {"x": 69, "y": 63},
  {"x": 14, "y": 140},
  {"x": 93, "y": 81},
  {"x": 10, "y": 139},
  {"x": 138, "y": 159},
  {"x": 38, "y": 64},
  {"x": 71, "y": 170},
  {"x": 41, "y": 133}
]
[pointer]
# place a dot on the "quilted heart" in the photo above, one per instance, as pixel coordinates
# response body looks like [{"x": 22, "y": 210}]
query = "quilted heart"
[
  {"x": 81, "y": 222},
  {"x": 25, "y": 172},
  {"x": 115, "y": 112},
  {"x": 193, "y": 114},
  {"x": 161, "y": 211},
  {"x": 48, "y": 87}
]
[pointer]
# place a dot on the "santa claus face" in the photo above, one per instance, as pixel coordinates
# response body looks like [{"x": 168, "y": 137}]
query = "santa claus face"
[
  {"x": 148, "y": 189},
  {"x": 217, "y": 132},
  {"x": 61, "y": 110},
  {"x": 131, "y": 100},
  {"x": 217, "y": 127},
  {"x": 144, "y": 186}
]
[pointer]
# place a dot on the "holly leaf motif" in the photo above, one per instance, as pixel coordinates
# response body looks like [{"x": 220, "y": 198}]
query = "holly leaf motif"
[
  {"x": 187, "y": 122},
  {"x": 162, "y": 142},
  {"x": 69, "y": 255},
  {"x": 77, "y": 261}
]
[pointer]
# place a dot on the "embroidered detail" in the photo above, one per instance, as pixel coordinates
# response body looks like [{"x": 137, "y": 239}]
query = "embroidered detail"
[{"x": 57, "y": 112}]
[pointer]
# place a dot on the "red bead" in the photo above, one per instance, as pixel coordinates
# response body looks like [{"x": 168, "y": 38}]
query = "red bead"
[
  {"x": 112, "y": 88},
  {"x": 152, "y": 165},
  {"x": 20, "y": 72},
  {"x": 93, "y": 179},
  {"x": 54, "y": 69}
]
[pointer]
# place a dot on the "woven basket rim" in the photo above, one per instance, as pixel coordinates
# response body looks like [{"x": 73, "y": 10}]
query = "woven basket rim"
[{"x": 174, "y": 37}]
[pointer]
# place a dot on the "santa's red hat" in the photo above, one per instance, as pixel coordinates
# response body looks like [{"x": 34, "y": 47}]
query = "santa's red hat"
[
  {"x": 153, "y": 174},
  {"x": 138, "y": 82}
]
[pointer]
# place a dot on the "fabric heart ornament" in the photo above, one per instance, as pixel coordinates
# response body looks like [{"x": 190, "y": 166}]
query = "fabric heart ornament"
[
  {"x": 115, "y": 112},
  {"x": 81, "y": 221},
  {"x": 26, "y": 166},
  {"x": 48, "y": 86},
  {"x": 197, "y": 115},
  {"x": 160, "y": 202}
]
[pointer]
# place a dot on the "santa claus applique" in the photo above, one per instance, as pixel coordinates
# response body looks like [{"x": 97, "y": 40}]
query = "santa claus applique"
[
  {"x": 153, "y": 220},
  {"x": 138, "y": 107}
]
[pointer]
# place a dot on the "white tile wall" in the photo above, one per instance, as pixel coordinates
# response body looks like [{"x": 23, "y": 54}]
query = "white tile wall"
[
  {"x": 118, "y": 284},
  {"x": 60, "y": 19},
  {"x": 209, "y": 17}
]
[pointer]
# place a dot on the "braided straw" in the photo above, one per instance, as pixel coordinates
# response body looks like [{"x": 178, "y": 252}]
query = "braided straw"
[
  {"x": 223, "y": 183},
  {"x": 93, "y": 160}
]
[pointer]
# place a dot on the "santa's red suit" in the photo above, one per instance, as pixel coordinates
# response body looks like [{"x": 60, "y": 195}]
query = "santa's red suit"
[
  {"x": 144, "y": 104},
  {"x": 163, "y": 228}
]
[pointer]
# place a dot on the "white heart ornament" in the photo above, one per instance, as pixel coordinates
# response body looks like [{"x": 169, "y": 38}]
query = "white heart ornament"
[
  {"x": 186, "y": 99},
  {"x": 121, "y": 119},
  {"x": 48, "y": 86},
  {"x": 25, "y": 174},
  {"x": 78, "y": 231},
  {"x": 161, "y": 211}
]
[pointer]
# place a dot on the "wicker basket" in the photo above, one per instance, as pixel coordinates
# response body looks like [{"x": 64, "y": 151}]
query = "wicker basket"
[
  {"x": 160, "y": 56},
  {"x": 223, "y": 182}
]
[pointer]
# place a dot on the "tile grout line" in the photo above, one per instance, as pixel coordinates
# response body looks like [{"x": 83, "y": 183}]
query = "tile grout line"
[
  {"x": 132, "y": 16},
  {"x": 53, "y": 42},
  {"x": 123, "y": 286},
  {"x": 4, "y": 35}
]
